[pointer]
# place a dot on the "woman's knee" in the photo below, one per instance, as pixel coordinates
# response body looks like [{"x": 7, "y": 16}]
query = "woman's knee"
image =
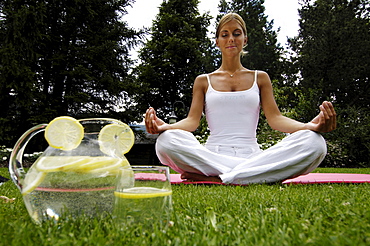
[
  {"x": 163, "y": 140},
  {"x": 172, "y": 136},
  {"x": 314, "y": 142},
  {"x": 172, "y": 140}
]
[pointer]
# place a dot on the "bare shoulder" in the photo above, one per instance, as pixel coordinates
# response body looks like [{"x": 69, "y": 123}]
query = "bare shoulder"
[
  {"x": 201, "y": 78},
  {"x": 201, "y": 83},
  {"x": 263, "y": 79},
  {"x": 262, "y": 75}
]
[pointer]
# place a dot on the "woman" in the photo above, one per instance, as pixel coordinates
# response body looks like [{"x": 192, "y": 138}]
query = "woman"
[{"x": 231, "y": 97}]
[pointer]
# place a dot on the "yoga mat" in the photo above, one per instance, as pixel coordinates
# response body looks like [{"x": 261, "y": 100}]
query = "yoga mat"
[
  {"x": 311, "y": 178},
  {"x": 324, "y": 178}
]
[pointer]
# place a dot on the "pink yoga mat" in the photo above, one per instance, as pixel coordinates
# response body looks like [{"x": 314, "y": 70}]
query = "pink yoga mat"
[
  {"x": 311, "y": 178},
  {"x": 323, "y": 178}
]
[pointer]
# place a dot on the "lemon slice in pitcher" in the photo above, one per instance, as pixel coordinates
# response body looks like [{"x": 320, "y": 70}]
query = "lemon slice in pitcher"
[
  {"x": 112, "y": 168},
  {"x": 116, "y": 139},
  {"x": 95, "y": 162},
  {"x": 64, "y": 133},
  {"x": 33, "y": 179},
  {"x": 61, "y": 163}
]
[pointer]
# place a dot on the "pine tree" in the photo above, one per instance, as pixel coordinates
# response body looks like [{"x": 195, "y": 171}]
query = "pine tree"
[
  {"x": 177, "y": 52},
  {"x": 63, "y": 58},
  {"x": 333, "y": 50}
]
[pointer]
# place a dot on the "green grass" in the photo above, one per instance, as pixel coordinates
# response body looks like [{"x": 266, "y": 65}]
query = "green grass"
[{"x": 329, "y": 214}]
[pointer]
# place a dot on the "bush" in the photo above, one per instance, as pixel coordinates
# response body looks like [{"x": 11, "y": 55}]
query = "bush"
[
  {"x": 4, "y": 156},
  {"x": 349, "y": 145},
  {"x": 202, "y": 133}
]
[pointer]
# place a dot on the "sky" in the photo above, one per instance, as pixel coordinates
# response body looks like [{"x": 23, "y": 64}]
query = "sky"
[{"x": 283, "y": 12}]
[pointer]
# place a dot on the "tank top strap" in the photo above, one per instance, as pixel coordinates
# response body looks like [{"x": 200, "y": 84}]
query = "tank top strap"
[
  {"x": 208, "y": 79},
  {"x": 255, "y": 76}
]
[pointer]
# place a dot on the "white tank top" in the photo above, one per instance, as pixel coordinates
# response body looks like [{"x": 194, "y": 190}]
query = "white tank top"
[{"x": 232, "y": 116}]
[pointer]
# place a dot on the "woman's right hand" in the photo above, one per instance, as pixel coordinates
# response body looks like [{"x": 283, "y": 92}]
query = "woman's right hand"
[{"x": 153, "y": 124}]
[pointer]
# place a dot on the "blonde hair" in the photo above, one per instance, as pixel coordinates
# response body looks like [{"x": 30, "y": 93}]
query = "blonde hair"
[{"x": 229, "y": 17}]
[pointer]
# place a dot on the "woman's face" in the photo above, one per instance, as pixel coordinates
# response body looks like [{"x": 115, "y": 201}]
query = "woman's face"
[{"x": 231, "y": 39}]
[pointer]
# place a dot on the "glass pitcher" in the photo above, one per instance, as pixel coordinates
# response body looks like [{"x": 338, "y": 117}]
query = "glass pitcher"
[{"x": 69, "y": 182}]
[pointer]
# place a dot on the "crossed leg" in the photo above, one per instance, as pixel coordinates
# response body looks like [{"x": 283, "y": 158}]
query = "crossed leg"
[{"x": 297, "y": 154}]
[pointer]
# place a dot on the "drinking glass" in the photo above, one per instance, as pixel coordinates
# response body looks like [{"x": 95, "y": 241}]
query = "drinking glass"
[{"x": 143, "y": 197}]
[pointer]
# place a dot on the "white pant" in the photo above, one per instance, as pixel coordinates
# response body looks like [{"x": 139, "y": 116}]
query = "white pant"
[{"x": 299, "y": 153}]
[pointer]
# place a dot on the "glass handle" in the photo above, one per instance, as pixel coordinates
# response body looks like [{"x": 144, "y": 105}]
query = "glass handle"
[{"x": 16, "y": 170}]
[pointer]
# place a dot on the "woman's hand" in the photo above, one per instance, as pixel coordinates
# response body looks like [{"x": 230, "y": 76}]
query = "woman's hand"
[
  {"x": 326, "y": 120},
  {"x": 153, "y": 124}
]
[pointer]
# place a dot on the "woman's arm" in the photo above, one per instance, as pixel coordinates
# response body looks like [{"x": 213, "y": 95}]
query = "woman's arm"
[
  {"x": 190, "y": 123},
  {"x": 325, "y": 121}
]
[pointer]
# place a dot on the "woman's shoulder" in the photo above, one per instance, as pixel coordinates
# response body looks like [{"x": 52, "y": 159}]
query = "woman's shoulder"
[
  {"x": 261, "y": 73},
  {"x": 201, "y": 79},
  {"x": 262, "y": 78},
  {"x": 201, "y": 82}
]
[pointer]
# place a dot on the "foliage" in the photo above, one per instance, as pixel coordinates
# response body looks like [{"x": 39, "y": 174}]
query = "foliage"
[
  {"x": 264, "y": 53},
  {"x": 4, "y": 154},
  {"x": 333, "y": 50},
  {"x": 335, "y": 214},
  {"x": 202, "y": 132},
  {"x": 63, "y": 58},
  {"x": 178, "y": 51},
  {"x": 287, "y": 98},
  {"x": 351, "y": 141},
  {"x": 266, "y": 136},
  {"x": 28, "y": 159}
]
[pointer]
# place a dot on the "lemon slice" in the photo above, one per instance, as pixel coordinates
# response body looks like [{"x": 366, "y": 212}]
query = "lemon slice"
[
  {"x": 142, "y": 192},
  {"x": 60, "y": 163},
  {"x": 116, "y": 140},
  {"x": 112, "y": 168},
  {"x": 32, "y": 180},
  {"x": 64, "y": 133},
  {"x": 82, "y": 164},
  {"x": 96, "y": 162},
  {"x": 102, "y": 164}
]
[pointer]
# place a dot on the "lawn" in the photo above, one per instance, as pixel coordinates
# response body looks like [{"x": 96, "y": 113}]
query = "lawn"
[{"x": 268, "y": 214}]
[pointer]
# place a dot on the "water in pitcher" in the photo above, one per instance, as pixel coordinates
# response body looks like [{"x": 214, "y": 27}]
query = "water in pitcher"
[{"x": 79, "y": 188}]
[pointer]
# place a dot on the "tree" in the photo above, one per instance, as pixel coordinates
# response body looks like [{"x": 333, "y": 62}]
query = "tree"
[
  {"x": 64, "y": 58},
  {"x": 332, "y": 53},
  {"x": 264, "y": 53},
  {"x": 333, "y": 50},
  {"x": 177, "y": 52}
]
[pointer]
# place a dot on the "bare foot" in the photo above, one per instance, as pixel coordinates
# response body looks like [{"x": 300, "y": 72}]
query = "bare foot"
[{"x": 200, "y": 177}]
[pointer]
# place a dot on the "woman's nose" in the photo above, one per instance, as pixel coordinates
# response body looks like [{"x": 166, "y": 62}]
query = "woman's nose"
[{"x": 231, "y": 39}]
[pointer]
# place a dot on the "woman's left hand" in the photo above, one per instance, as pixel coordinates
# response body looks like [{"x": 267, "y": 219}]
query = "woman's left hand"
[
  {"x": 153, "y": 124},
  {"x": 326, "y": 120}
]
